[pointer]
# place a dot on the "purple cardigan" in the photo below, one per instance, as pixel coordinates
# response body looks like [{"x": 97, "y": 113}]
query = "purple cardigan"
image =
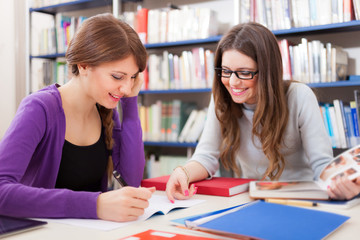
[{"x": 30, "y": 155}]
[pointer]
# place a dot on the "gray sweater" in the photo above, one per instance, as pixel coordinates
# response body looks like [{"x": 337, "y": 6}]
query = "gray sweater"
[{"x": 308, "y": 147}]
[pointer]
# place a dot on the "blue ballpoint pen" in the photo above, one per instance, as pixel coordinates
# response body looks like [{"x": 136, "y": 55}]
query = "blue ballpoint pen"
[{"x": 118, "y": 177}]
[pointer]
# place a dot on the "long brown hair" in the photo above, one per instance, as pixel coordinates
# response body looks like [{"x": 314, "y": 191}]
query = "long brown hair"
[
  {"x": 103, "y": 38},
  {"x": 271, "y": 113}
]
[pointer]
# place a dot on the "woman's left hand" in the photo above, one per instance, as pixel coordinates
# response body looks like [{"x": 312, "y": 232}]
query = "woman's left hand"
[
  {"x": 138, "y": 81},
  {"x": 344, "y": 189}
]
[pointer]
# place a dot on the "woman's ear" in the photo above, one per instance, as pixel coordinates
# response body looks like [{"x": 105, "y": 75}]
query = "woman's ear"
[{"x": 83, "y": 68}]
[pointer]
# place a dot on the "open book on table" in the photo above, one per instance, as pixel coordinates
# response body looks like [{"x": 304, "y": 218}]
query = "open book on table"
[
  {"x": 262, "y": 220},
  {"x": 158, "y": 204},
  {"x": 345, "y": 164}
]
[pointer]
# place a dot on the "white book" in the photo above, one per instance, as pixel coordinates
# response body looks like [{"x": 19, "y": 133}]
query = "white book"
[
  {"x": 165, "y": 72},
  {"x": 153, "y": 26},
  {"x": 163, "y": 26},
  {"x": 154, "y": 71},
  {"x": 357, "y": 9},
  {"x": 324, "y": 12},
  {"x": 340, "y": 123},
  {"x": 187, "y": 126},
  {"x": 334, "y": 126},
  {"x": 316, "y": 60},
  {"x": 197, "y": 127}
]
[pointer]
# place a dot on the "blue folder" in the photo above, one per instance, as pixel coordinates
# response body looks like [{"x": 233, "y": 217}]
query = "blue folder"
[{"x": 275, "y": 221}]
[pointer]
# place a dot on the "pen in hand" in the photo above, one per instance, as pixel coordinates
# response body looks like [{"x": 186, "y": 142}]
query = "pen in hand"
[{"x": 118, "y": 178}]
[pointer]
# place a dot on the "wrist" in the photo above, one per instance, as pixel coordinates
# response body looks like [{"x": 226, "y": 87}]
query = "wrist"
[{"x": 186, "y": 173}]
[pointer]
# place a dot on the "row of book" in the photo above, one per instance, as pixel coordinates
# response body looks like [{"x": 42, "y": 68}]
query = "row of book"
[
  {"x": 172, "y": 121},
  {"x": 191, "y": 69},
  {"x": 342, "y": 121},
  {"x": 44, "y": 3},
  {"x": 53, "y": 34},
  {"x": 313, "y": 61},
  {"x": 157, "y": 166},
  {"x": 285, "y": 14},
  {"x": 45, "y": 72},
  {"x": 170, "y": 25}
]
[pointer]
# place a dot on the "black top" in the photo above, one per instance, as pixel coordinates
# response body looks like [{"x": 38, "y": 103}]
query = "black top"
[{"x": 83, "y": 167}]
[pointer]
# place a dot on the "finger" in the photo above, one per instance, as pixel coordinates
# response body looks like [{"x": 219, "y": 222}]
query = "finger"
[
  {"x": 170, "y": 191},
  {"x": 144, "y": 193},
  {"x": 192, "y": 190},
  {"x": 136, "y": 212},
  {"x": 152, "y": 189},
  {"x": 130, "y": 218},
  {"x": 180, "y": 196},
  {"x": 357, "y": 181},
  {"x": 139, "y": 203},
  {"x": 348, "y": 188},
  {"x": 340, "y": 190},
  {"x": 332, "y": 190}
]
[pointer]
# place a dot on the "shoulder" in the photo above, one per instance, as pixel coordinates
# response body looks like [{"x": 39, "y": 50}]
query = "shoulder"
[
  {"x": 299, "y": 92},
  {"x": 49, "y": 94},
  {"x": 46, "y": 100}
]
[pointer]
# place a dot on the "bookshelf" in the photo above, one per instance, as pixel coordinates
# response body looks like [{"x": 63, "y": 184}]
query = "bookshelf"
[
  {"x": 340, "y": 33},
  {"x": 345, "y": 34}
]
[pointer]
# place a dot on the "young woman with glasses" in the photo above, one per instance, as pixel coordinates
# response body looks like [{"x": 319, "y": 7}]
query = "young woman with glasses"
[{"x": 258, "y": 125}]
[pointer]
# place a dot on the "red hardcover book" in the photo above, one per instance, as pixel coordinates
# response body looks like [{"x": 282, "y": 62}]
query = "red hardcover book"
[
  {"x": 217, "y": 186},
  {"x": 142, "y": 22},
  {"x": 158, "y": 235}
]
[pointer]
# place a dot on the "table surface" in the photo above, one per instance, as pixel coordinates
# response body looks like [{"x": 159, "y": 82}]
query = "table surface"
[{"x": 57, "y": 231}]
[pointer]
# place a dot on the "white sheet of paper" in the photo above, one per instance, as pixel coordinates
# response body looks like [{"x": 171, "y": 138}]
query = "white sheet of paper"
[{"x": 157, "y": 203}]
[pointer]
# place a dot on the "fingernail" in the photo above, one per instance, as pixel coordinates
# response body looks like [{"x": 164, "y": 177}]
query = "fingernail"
[
  {"x": 172, "y": 201},
  {"x": 186, "y": 193},
  {"x": 196, "y": 188}
]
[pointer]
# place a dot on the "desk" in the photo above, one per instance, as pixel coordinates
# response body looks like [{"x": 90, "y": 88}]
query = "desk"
[{"x": 58, "y": 231}]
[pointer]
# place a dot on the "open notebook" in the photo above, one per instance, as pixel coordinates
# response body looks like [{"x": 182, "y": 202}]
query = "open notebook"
[{"x": 11, "y": 225}]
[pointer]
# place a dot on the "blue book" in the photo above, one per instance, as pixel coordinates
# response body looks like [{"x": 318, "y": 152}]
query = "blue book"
[
  {"x": 181, "y": 221},
  {"x": 271, "y": 221}
]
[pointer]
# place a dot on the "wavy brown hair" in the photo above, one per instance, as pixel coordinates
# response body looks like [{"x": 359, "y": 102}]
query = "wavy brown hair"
[
  {"x": 271, "y": 113},
  {"x": 100, "y": 39}
]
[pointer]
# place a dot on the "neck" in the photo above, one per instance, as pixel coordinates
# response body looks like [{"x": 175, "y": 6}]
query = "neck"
[{"x": 75, "y": 99}]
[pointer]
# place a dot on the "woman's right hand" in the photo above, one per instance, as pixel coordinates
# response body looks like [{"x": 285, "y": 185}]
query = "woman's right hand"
[
  {"x": 178, "y": 187},
  {"x": 125, "y": 204}
]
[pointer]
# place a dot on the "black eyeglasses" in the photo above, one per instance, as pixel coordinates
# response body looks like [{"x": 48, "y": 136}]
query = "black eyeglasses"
[{"x": 226, "y": 73}]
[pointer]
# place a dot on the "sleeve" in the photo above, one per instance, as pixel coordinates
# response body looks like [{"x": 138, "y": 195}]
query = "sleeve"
[
  {"x": 27, "y": 177},
  {"x": 207, "y": 151},
  {"x": 315, "y": 140},
  {"x": 128, "y": 152}
]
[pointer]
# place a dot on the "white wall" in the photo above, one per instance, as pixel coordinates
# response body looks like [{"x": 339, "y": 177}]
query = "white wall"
[{"x": 7, "y": 64}]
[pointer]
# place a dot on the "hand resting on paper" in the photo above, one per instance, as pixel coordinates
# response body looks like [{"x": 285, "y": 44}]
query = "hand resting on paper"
[
  {"x": 342, "y": 188},
  {"x": 125, "y": 204},
  {"x": 177, "y": 186}
]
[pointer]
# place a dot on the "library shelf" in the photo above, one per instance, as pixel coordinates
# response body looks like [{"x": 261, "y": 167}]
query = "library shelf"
[
  {"x": 169, "y": 91},
  {"x": 72, "y": 6},
  {"x": 49, "y": 56},
  {"x": 171, "y": 144},
  {"x": 213, "y": 39},
  {"x": 326, "y": 28}
]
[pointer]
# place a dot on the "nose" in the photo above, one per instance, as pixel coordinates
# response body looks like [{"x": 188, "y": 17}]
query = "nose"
[{"x": 234, "y": 80}]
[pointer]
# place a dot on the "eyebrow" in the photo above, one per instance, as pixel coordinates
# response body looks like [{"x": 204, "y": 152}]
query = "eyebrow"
[
  {"x": 126, "y": 73},
  {"x": 241, "y": 68}
]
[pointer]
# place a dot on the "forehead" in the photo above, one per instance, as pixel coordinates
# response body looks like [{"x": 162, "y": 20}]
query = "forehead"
[
  {"x": 126, "y": 65},
  {"x": 235, "y": 59}
]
